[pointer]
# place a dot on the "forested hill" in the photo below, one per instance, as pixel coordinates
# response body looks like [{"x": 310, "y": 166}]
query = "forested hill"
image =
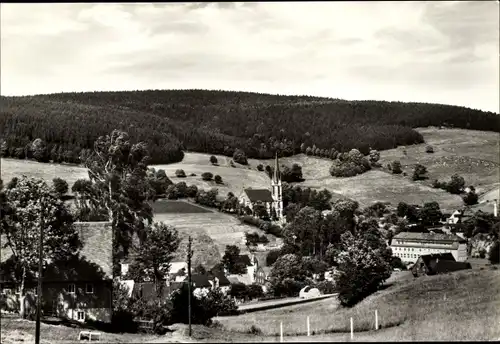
[{"x": 218, "y": 122}]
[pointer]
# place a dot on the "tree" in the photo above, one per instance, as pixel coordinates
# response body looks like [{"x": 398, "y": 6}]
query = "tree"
[
  {"x": 200, "y": 269},
  {"x": 213, "y": 160},
  {"x": 218, "y": 179},
  {"x": 232, "y": 262},
  {"x": 180, "y": 173},
  {"x": 429, "y": 149},
  {"x": 260, "y": 167},
  {"x": 117, "y": 170},
  {"x": 260, "y": 211},
  {"x": 39, "y": 150},
  {"x": 396, "y": 167},
  {"x": 289, "y": 275},
  {"x": 431, "y": 213},
  {"x": 240, "y": 157},
  {"x": 456, "y": 185},
  {"x": 60, "y": 186},
  {"x": 419, "y": 173},
  {"x": 293, "y": 174},
  {"x": 374, "y": 157},
  {"x": 362, "y": 267},
  {"x": 470, "y": 198},
  {"x": 207, "y": 176},
  {"x": 191, "y": 191},
  {"x": 33, "y": 207},
  {"x": 156, "y": 252},
  {"x": 494, "y": 254}
]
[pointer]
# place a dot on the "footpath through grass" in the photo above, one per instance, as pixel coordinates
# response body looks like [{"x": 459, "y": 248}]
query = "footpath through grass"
[{"x": 460, "y": 306}]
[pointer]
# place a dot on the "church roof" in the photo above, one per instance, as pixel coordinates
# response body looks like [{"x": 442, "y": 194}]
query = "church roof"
[
  {"x": 277, "y": 173},
  {"x": 262, "y": 195}
]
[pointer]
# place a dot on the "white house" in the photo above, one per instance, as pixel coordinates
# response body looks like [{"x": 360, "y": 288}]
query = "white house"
[{"x": 410, "y": 246}]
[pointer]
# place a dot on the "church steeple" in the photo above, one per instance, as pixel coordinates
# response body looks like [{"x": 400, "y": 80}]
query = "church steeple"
[{"x": 277, "y": 173}]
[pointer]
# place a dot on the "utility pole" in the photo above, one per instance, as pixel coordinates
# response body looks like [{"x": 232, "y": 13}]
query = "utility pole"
[
  {"x": 40, "y": 270},
  {"x": 189, "y": 256}
]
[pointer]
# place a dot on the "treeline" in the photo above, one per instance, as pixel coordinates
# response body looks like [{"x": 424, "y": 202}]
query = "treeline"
[{"x": 220, "y": 122}]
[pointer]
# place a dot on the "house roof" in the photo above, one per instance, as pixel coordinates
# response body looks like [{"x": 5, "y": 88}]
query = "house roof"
[
  {"x": 223, "y": 281},
  {"x": 427, "y": 258},
  {"x": 245, "y": 259},
  {"x": 443, "y": 266},
  {"x": 245, "y": 279},
  {"x": 256, "y": 195},
  {"x": 428, "y": 237},
  {"x": 199, "y": 281}
]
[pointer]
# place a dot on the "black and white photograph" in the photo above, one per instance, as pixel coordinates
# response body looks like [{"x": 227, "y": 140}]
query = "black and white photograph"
[{"x": 215, "y": 172}]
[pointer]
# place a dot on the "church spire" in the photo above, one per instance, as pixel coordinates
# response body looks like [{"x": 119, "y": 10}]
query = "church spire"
[{"x": 277, "y": 173}]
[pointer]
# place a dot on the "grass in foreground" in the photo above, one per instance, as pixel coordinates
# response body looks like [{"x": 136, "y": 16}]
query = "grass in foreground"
[{"x": 459, "y": 306}]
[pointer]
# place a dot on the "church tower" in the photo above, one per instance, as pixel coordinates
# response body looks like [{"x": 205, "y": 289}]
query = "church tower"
[{"x": 277, "y": 190}]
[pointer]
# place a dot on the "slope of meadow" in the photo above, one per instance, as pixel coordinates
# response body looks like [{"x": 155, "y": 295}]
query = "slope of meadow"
[{"x": 464, "y": 305}]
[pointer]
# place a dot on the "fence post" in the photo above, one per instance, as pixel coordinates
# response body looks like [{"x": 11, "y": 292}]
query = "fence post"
[
  {"x": 308, "y": 327},
  {"x": 352, "y": 330},
  {"x": 376, "y": 320},
  {"x": 281, "y": 331}
]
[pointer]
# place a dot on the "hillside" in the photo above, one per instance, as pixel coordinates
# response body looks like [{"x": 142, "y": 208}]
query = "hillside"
[
  {"x": 218, "y": 122},
  {"x": 458, "y": 306}
]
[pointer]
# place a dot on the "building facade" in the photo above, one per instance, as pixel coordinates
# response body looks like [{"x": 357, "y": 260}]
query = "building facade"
[{"x": 409, "y": 246}]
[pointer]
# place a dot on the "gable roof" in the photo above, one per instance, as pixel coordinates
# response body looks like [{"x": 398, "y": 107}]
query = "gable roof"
[
  {"x": 428, "y": 258},
  {"x": 175, "y": 267},
  {"x": 256, "y": 195},
  {"x": 199, "y": 281},
  {"x": 418, "y": 236},
  {"x": 443, "y": 266},
  {"x": 223, "y": 281}
]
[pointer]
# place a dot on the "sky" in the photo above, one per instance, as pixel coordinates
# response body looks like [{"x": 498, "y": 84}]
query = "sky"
[{"x": 433, "y": 52}]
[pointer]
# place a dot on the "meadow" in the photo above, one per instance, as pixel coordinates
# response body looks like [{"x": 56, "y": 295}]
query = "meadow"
[{"x": 463, "y": 305}]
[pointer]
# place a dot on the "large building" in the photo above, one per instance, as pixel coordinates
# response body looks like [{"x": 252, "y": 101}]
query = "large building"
[
  {"x": 270, "y": 199},
  {"x": 410, "y": 246}
]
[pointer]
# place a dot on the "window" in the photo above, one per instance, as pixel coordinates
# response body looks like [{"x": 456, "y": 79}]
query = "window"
[
  {"x": 80, "y": 315},
  {"x": 71, "y": 288},
  {"x": 89, "y": 288}
]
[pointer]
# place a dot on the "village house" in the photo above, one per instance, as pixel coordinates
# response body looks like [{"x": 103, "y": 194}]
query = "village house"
[
  {"x": 432, "y": 264},
  {"x": 409, "y": 246},
  {"x": 78, "y": 288},
  {"x": 269, "y": 199},
  {"x": 249, "y": 277}
]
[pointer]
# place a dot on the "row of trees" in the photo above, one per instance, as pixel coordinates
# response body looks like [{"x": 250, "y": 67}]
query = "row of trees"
[{"x": 219, "y": 123}]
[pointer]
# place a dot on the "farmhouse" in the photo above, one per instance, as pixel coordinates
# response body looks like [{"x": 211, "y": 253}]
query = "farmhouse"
[
  {"x": 203, "y": 283},
  {"x": 410, "y": 246},
  {"x": 270, "y": 199},
  {"x": 432, "y": 264},
  {"x": 251, "y": 264},
  {"x": 78, "y": 288}
]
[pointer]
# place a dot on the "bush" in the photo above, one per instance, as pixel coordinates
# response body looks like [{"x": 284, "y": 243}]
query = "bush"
[
  {"x": 192, "y": 191},
  {"x": 395, "y": 167},
  {"x": 419, "y": 173},
  {"x": 266, "y": 226},
  {"x": 260, "y": 167},
  {"x": 180, "y": 174},
  {"x": 470, "y": 198},
  {"x": 207, "y": 176},
  {"x": 272, "y": 256},
  {"x": 60, "y": 186},
  {"x": 240, "y": 157},
  {"x": 456, "y": 185},
  {"x": 192, "y": 175},
  {"x": 218, "y": 179},
  {"x": 213, "y": 160},
  {"x": 350, "y": 164},
  {"x": 429, "y": 149},
  {"x": 326, "y": 287}
]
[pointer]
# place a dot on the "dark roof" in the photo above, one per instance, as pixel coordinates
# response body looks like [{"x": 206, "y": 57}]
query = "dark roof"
[
  {"x": 200, "y": 281},
  {"x": 97, "y": 239},
  {"x": 245, "y": 259},
  {"x": 223, "y": 281},
  {"x": 428, "y": 237},
  {"x": 428, "y": 258},
  {"x": 256, "y": 195},
  {"x": 443, "y": 266}
]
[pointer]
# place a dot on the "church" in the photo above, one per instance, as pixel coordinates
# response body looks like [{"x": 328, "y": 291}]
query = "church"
[{"x": 270, "y": 199}]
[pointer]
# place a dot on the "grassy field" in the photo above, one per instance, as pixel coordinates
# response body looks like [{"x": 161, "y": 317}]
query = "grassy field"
[
  {"x": 211, "y": 231},
  {"x": 460, "y": 306}
]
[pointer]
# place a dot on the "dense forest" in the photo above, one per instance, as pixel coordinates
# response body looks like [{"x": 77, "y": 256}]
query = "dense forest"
[{"x": 217, "y": 122}]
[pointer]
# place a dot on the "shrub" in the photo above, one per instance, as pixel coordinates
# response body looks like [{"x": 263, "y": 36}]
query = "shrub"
[
  {"x": 272, "y": 256},
  {"x": 207, "y": 176},
  {"x": 374, "y": 157},
  {"x": 218, "y": 179},
  {"x": 396, "y": 167},
  {"x": 429, "y": 149},
  {"x": 470, "y": 198},
  {"x": 419, "y": 173},
  {"x": 266, "y": 226},
  {"x": 191, "y": 191},
  {"x": 180, "y": 173},
  {"x": 240, "y": 157},
  {"x": 260, "y": 167},
  {"x": 60, "y": 186},
  {"x": 254, "y": 330},
  {"x": 192, "y": 175},
  {"x": 213, "y": 160},
  {"x": 456, "y": 185},
  {"x": 326, "y": 287}
]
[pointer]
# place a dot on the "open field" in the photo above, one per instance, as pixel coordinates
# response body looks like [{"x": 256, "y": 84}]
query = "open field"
[
  {"x": 211, "y": 231},
  {"x": 15, "y": 330},
  {"x": 459, "y": 306},
  {"x": 176, "y": 207}
]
